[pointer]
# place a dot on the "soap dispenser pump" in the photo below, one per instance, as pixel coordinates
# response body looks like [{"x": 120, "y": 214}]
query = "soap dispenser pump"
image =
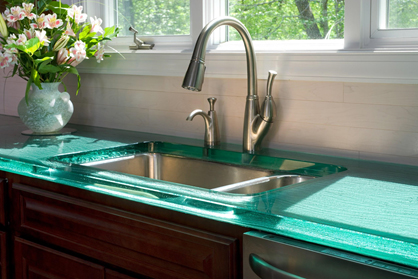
[{"x": 212, "y": 137}]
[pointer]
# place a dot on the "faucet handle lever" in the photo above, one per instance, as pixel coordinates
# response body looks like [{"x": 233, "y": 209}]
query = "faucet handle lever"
[
  {"x": 212, "y": 101},
  {"x": 268, "y": 108},
  {"x": 270, "y": 79}
]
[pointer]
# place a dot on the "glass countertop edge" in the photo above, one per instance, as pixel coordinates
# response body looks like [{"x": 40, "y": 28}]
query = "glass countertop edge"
[{"x": 363, "y": 243}]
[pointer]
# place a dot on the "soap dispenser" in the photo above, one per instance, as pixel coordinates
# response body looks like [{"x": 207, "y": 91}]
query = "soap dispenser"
[{"x": 212, "y": 137}]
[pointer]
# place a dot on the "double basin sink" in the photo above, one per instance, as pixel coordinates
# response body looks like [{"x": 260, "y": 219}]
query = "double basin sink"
[{"x": 217, "y": 170}]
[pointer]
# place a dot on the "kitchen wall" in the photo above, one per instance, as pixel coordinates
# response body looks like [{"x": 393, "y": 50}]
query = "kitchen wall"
[{"x": 357, "y": 120}]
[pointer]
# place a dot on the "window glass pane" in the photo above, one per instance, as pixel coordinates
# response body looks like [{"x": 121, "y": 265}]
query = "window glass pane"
[
  {"x": 289, "y": 19},
  {"x": 154, "y": 17},
  {"x": 402, "y": 14}
]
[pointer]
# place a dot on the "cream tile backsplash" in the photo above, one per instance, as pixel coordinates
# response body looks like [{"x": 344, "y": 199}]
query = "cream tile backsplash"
[{"x": 358, "y": 120}]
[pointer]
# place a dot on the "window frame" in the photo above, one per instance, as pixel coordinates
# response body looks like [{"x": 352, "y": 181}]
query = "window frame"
[
  {"x": 359, "y": 59},
  {"x": 366, "y": 34}
]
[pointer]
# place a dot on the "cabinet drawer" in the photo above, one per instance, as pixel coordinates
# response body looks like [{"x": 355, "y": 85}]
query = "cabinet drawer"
[
  {"x": 36, "y": 261},
  {"x": 133, "y": 242}
]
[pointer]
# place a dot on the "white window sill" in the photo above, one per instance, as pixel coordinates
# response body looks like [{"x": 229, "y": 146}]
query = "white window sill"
[{"x": 327, "y": 62}]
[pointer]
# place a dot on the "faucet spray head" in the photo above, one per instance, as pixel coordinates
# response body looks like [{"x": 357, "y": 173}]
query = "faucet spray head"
[{"x": 194, "y": 76}]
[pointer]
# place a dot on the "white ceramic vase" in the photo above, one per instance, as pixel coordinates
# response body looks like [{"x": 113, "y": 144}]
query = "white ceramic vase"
[{"x": 48, "y": 110}]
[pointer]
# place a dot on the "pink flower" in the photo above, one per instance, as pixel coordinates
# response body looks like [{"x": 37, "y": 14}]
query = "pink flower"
[
  {"x": 53, "y": 22},
  {"x": 9, "y": 23},
  {"x": 74, "y": 12},
  {"x": 78, "y": 51},
  {"x": 41, "y": 35},
  {"x": 99, "y": 53},
  {"x": 11, "y": 39},
  {"x": 15, "y": 14},
  {"x": 95, "y": 25},
  {"x": 42, "y": 22},
  {"x": 22, "y": 39},
  {"x": 29, "y": 33},
  {"x": 4, "y": 60},
  {"x": 27, "y": 11},
  {"x": 69, "y": 31},
  {"x": 62, "y": 56},
  {"x": 12, "y": 56}
]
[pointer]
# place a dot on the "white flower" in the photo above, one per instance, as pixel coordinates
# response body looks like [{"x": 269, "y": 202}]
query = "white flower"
[
  {"x": 69, "y": 30},
  {"x": 27, "y": 11},
  {"x": 95, "y": 25},
  {"x": 12, "y": 57},
  {"x": 22, "y": 39},
  {"x": 11, "y": 39},
  {"x": 53, "y": 22},
  {"x": 41, "y": 35},
  {"x": 29, "y": 33},
  {"x": 4, "y": 60},
  {"x": 42, "y": 22},
  {"x": 74, "y": 12},
  {"x": 15, "y": 14},
  {"x": 78, "y": 51},
  {"x": 99, "y": 53}
]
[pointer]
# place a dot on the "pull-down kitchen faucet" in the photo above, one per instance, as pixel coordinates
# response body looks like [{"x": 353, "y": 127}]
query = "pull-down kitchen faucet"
[{"x": 256, "y": 124}]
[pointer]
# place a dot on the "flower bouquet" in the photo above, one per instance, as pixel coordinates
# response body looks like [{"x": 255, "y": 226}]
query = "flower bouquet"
[{"x": 44, "y": 41}]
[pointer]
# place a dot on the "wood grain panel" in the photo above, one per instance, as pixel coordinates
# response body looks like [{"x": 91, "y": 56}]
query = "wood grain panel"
[
  {"x": 36, "y": 261},
  {"x": 136, "y": 243},
  {"x": 3, "y": 256},
  {"x": 3, "y": 202}
]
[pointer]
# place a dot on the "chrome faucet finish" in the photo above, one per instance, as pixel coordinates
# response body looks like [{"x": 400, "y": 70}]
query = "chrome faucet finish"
[
  {"x": 212, "y": 137},
  {"x": 256, "y": 123}
]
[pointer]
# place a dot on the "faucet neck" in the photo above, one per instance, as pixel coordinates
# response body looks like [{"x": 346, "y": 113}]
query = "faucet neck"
[{"x": 199, "y": 53}]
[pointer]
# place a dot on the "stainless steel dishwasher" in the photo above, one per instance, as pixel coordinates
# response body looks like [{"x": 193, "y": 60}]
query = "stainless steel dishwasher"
[{"x": 271, "y": 256}]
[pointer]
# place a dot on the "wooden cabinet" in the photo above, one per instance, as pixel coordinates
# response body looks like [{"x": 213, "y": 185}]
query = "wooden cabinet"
[
  {"x": 35, "y": 261},
  {"x": 4, "y": 249},
  {"x": 3, "y": 255},
  {"x": 111, "y": 237},
  {"x": 3, "y": 190}
]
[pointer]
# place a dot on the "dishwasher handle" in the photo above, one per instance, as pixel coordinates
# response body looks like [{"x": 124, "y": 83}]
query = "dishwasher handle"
[{"x": 267, "y": 271}]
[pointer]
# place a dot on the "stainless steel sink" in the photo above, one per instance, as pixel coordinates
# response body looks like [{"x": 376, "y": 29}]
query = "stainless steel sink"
[
  {"x": 200, "y": 173},
  {"x": 218, "y": 170}
]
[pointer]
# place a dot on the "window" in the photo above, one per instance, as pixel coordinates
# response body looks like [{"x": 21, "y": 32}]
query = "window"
[
  {"x": 372, "y": 28},
  {"x": 154, "y": 17},
  {"x": 289, "y": 19}
]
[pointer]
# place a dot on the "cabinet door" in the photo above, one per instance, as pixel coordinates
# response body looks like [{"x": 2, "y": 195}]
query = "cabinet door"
[
  {"x": 133, "y": 242},
  {"x": 36, "y": 261},
  {"x": 2, "y": 202},
  {"x": 3, "y": 256}
]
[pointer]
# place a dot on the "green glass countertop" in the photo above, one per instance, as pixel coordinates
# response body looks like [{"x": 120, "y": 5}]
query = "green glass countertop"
[{"x": 370, "y": 208}]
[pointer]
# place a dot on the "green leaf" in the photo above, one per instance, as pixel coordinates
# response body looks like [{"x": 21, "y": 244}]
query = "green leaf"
[
  {"x": 19, "y": 47},
  {"x": 45, "y": 59},
  {"x": 72, "y": 70},
  {"x": 32, "y": 45},
  {"x": 58, "y": 8},
  {"x": 36, "y": 78},
  {"x": 14, "y": 70},
  {"x": 27, "y": 90},
  {"x": 110, "y": 32},
  {"x": 85, "y": 32},
  {"x": 44, "y": 69}
]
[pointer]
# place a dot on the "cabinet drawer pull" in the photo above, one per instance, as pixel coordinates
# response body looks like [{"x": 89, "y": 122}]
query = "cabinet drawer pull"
[{"x": 267, "y": 271}]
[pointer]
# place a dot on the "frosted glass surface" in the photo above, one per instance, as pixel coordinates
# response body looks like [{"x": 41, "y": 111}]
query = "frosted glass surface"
[{"x": 370, "y": 208}]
